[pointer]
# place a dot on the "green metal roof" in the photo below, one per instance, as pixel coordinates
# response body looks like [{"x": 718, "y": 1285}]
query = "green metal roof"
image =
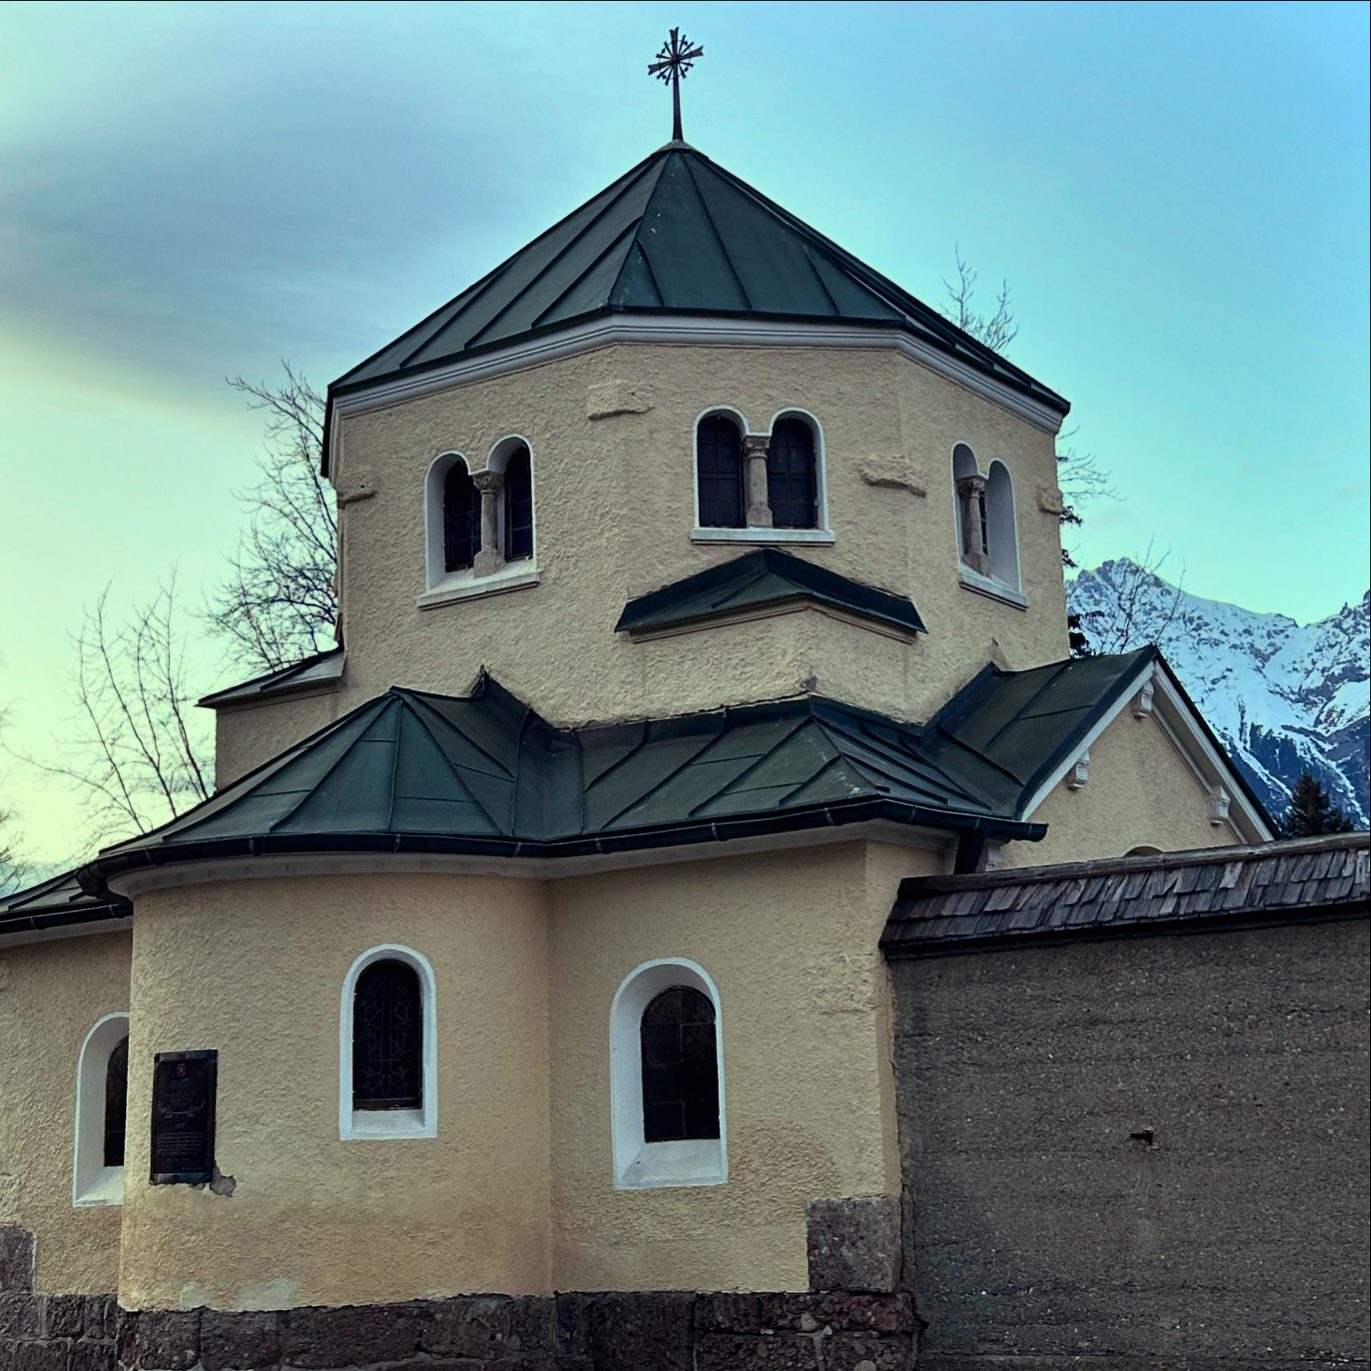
[
  {"x": 322, "y": 671},
  {"x": 410, "y": 771},
  {"x": 759, "y": 579},
  {"x": 677, "y": 234},
  {"x": 56, "y": 903}
]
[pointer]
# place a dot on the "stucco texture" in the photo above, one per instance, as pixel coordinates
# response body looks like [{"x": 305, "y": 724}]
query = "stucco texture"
[
  {"x": 1139, "y": 1151},
  {"x": 614, "y": 504},
  {"x": 255, "y": 970},
  {"x": 790, "y": 940},
  {"x": 1140, "y": 792},
  {"x": 51, "y": 994}
]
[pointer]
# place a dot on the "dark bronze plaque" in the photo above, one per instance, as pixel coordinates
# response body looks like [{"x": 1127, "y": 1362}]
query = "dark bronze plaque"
[{"x": 184, "y": 1086}]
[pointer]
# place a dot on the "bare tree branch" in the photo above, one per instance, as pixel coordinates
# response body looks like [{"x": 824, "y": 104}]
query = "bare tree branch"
[
  {"x": 1138, "y": 607},
  {"x": 997, "y": 330},
  {"x": 279, "y": 603},
  {"x": 136, "y": 753}
]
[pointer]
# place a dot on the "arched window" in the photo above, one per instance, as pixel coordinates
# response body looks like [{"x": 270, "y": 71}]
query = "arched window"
[
  {"x": 388, "y": 1038},
  {"x": 461, "y": 518},
  {"x": 667, "y": 1078},
  {"x": 518, "y": 501},
  {"x": 1002, "y": 537},
  {"x": 387, "y": 1048},
  {"x": 792, "y": 485},
  {"x": 987, "y": 530},
  {"x": 680, "y": 1067},
  {"x": 101, "y": 1111},
  {"x": 116, "y": 1102},
  {"x": 719, "y": 472}
]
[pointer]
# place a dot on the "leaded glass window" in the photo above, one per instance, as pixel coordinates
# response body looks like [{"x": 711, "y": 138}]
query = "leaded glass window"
[
  {"x": 116, "y": 1103},
  {"x": 518, "y": 506},
  {"x": 719, "y": 472},
  {"x": 461, "y": 519},
  {"x": 680, "y": 1067},
  {"x": 791, "y": 476},
  {"x": 388, "y": 1038}
]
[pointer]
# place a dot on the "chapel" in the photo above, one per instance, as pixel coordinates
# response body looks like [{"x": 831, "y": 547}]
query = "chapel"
[{"x": 699, "y": 586}]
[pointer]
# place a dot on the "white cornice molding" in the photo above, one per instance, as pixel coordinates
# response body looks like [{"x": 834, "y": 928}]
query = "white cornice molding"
[
  {"x": 687, "y": 329},
  {"x": 1152, "y": 693}
]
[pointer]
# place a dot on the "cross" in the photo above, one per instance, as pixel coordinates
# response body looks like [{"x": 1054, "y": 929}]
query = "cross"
[{"x": 673, "y": 62}]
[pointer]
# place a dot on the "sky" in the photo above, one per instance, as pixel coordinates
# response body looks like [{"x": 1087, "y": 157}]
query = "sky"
[{"x": 1177, "y": 196}]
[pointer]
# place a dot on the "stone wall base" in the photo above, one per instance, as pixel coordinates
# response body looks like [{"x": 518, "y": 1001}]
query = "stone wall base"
[{"x": 570, "y": 1332}]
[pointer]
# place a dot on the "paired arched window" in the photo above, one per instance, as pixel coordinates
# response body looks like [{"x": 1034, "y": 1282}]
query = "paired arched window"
[
  {"x": 987, "y": 531},
  {"x": 387, "y": 1047},
  {"x": 758, "y": 482},
  {"x": 667, "y": 1077},
  {"x": 479, "y": 521},
  {"x": 102, "y": 1075}
]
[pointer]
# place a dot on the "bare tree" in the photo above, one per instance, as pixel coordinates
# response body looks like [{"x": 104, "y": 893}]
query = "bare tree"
[
  {"x": 1134, "y": 605},
  {"x": 137, "y": 752},
  {"x": 995, "y": 330},
  {"x": 279, "y": 603}
]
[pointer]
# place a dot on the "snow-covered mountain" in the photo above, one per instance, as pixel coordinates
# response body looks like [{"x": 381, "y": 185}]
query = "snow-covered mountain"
[{"x": 1284, "y": 697}]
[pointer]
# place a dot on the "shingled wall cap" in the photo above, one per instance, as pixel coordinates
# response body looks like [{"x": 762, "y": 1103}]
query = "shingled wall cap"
[{"x": 1296, "y": 878}]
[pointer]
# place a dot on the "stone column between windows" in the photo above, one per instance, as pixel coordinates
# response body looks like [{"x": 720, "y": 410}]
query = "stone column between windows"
[
  {"x": 754, "y": 458},
  {"x": 490, "y": 558},
  {"x": 970, "y": 501}
]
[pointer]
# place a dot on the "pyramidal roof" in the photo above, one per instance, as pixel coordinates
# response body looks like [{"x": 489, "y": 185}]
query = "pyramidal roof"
[{"x": 678, "y": 235}]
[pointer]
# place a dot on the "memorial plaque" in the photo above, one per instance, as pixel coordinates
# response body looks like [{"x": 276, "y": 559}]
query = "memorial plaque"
[{"x": 184, "y": 1088}]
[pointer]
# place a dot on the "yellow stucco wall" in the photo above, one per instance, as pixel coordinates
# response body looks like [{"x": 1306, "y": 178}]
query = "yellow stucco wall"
[
  {"x": 53, "y": 993},
  {"x": 790, "y": 939},
  {"x": 1140, "y": 792},
  {"x": 255, "y": 969},
  {"x": 615, "y": 507}
]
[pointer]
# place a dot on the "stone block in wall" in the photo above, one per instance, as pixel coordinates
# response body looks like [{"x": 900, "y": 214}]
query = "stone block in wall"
[
  {"x": 40, "y": 1356},
  {"x": 869, "y": 1352},
  {"x": 854, "y": 1244},
  {"x": 92, "y": 1356},
  {"x": 757, "y": 1352},
  {"x": 160, "y": 1339},
  {"x": 65, "y": 1316},
  {"x": 351, "y": 1336},
  {"x": 648, "y": 1331},
  {"x": 240, "y": 1342},
  {"x": 476, "y": 1326},
  {"x": 16, "y": 1257},
  {"x": 102, "y": 1315},
  {"x": 20, "y": 1315}
]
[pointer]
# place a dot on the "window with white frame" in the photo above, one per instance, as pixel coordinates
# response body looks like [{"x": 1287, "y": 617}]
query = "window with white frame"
[
  {"x": 102, "y": 1074},
  {"x": 667, "y": 1078},
  {"x": 387, "y": 1047},
  {"x": 479, "y": 523},
  {"x": 759, "y": 487},
  {"x": 987, "y": 528}
]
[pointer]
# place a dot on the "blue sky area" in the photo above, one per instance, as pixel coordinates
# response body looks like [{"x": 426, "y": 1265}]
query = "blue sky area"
[{"x": 1177, "y": 194}]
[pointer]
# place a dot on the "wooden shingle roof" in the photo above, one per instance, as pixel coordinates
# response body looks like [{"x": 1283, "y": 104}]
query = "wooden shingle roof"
[{"x": 1305, "y": 877}]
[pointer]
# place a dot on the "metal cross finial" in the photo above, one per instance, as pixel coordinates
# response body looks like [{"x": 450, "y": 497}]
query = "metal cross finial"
[{"x": 673, "y": 62}]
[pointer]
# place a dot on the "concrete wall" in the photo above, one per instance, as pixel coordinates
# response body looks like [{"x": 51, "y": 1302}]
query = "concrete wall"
[
  {"x": 1045, "y": 1235},
  {"x": 255, "y": 969},
  {"x": 1140, "y": 793},
  {"x": 615, "y": 506},
  {"x": 51, "y": 994}
]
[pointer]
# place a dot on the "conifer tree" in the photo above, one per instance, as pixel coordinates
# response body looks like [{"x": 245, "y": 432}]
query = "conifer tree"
[{"x": 1312, "y": 811}]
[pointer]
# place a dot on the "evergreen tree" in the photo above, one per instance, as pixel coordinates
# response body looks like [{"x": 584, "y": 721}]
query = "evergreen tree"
[{"x": 1312, "y": 811}]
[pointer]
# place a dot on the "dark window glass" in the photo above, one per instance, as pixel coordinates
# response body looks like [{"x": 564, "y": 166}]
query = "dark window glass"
[
  {"x": 387, "y": 1038},
  {"x": 791, "y": 480},
  {"x": 518, "y": 506},
  {"x": 719, "y": 463},
  {"x": 461, "y": 519},
  {"x": 680, "y": 1067},
  {"x": 116, "y": 1103}
]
